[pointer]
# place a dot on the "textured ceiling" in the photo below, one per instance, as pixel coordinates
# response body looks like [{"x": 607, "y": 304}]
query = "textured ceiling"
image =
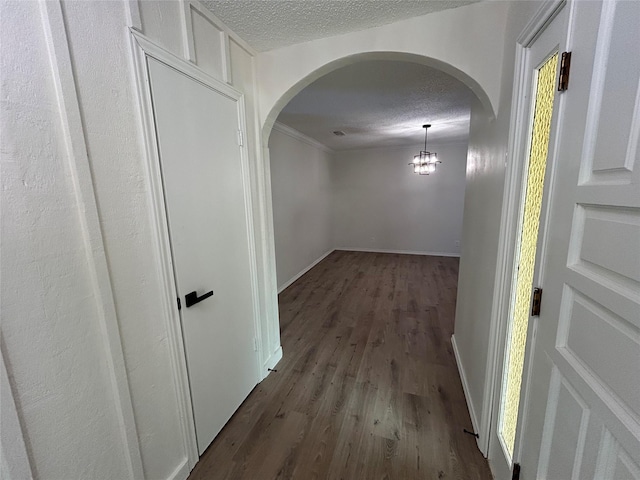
[
  {"x": 269, "y": 24},
  {"x": 381, "y": 104}
]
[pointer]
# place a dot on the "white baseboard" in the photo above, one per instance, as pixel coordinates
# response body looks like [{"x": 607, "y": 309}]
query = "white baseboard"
[
  {"x": 302, "y": 272},
  {"x": 400, "y": 252},
  {"x": 465, "y": 386},
  {"x": 181, "y": 472}
]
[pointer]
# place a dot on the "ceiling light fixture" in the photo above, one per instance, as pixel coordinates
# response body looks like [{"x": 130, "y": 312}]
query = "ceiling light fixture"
[{"x": 425, "y": 162}]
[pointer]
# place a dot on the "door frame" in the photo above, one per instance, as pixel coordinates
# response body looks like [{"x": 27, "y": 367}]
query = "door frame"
[
  {"x": 513, "y": 196},
  {"x": 143, "y": 48}
]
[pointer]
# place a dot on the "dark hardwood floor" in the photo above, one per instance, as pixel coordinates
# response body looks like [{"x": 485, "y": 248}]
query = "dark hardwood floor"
[{"x": 368, "y": 387}]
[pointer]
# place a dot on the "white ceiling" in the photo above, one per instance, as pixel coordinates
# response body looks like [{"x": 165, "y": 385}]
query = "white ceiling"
[
  {"x": 269, "y": 24},
  {"x": 381, "y": 104}
]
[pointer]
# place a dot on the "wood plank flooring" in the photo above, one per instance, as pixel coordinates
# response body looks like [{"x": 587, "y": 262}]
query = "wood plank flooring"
[{"x": 368, "y": 387}]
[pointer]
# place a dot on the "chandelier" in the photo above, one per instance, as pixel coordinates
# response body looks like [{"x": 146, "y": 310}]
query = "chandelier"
[{"x": 425, "y": 162}]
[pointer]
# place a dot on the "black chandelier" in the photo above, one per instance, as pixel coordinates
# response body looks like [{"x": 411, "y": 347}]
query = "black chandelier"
[{"x": 425, "y": 162}]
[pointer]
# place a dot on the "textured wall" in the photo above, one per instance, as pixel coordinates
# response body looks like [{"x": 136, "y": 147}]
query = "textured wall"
[
  {"x": 52, "y": 341},
  {"x": 380, "y": 204},
  {"x": 301, "y": 194},
  {"x": 112, "y": 132}
]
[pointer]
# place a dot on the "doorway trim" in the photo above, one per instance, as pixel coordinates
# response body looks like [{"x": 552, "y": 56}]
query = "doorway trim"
[
  {"x": 521, "y": 112},
  {"x": 143, "y": 48}
]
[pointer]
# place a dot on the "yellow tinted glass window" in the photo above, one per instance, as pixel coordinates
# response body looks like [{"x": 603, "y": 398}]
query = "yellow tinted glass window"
[{"x": 545, "y": 91}]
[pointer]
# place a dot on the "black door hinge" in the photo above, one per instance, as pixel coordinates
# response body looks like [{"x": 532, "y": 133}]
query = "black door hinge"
[
  {"x": 179, "y": 304},
  {"x": 516, "y": 472},
  {"x": 536, "y": 302},
  {"x": 565, "y": 67}
]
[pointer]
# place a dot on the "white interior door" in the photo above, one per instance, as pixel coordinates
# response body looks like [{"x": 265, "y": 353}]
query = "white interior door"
[
  {"x": 202, "y": 169},
  {"x": 583, "y": 419}
]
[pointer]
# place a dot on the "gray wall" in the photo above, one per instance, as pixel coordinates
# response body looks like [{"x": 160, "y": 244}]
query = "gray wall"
[
  {"x": 301, "y": 196},
  {"x": 360, "y": 200},
  {"x": 380, "y": 204}
]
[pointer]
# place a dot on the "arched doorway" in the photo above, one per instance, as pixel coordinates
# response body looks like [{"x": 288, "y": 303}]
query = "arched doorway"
[
  {"x": 330, "y": 322},
  {"x": 488, "y": 104},
  {"x": 284, "y": 76}
]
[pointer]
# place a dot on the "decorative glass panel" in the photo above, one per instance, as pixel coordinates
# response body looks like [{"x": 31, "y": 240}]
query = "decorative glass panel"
[{"x": 545, "y": 91}]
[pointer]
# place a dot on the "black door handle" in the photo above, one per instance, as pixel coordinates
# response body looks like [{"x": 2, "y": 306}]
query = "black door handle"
[{"x": 192, "y": 298}]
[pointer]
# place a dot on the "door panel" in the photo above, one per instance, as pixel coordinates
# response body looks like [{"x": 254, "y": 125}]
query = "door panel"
[
  {"x": 584, "y": 419},
  {"x": 197, "y": 132},
  {"x": 570, "y": 428}
]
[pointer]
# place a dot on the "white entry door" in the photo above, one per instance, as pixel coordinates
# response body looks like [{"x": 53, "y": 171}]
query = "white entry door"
[
  {"x": 197, "y": 131},
  {"x": 583, "y": 415}
]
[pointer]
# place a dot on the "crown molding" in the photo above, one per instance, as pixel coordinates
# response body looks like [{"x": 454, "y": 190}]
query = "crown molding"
[{"x": 292, "y": 132}]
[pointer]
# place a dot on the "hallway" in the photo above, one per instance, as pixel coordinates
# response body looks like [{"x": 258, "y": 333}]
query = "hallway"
[{"x": 368, "y": 387}]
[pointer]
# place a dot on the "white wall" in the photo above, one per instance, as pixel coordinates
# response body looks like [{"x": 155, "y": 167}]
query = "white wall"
[
  {"x": 53, "y": 343},
  {"x": 107, "y": 101},
  {"x": 84, "y": 333},
  {"x": 380, "y": 204},
  {"x": 301, "y": 193},
  {"x": 482, "y": 211}
]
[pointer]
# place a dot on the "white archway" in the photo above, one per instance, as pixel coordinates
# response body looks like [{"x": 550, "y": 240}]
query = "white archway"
[
  {"x": 270, "y": 118},
  {"x": 271, "y": 336}
]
